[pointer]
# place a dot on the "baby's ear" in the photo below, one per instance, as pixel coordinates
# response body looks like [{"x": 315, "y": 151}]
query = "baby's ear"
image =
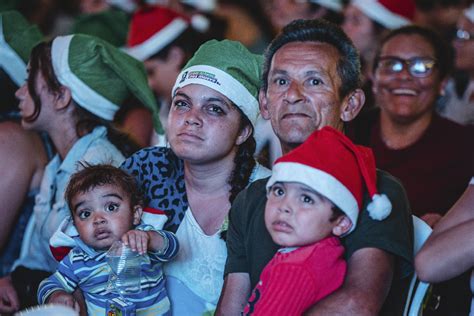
[
  {"x": 137, "y": 214},
  {"x": 343, "y": 224}
]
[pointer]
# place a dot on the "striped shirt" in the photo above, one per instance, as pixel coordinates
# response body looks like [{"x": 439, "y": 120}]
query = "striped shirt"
[{"x": 88, "y": 270}]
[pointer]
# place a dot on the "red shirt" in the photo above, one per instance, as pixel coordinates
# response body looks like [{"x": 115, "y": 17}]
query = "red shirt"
[
  {"x": 435, "y": 170},
  {"x": 293, "y": 281}
]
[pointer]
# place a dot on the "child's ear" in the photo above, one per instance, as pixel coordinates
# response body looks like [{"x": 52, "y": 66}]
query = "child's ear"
[
  {"x": 137, "y": 214},
  {"x": 343, "y": 224}
]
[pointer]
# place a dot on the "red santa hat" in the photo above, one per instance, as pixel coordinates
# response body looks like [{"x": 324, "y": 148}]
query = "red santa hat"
[
  {"x": 391, "y": 14},
  {"x": 329, "y": 163},
  {"x": 152, "y": 28}
]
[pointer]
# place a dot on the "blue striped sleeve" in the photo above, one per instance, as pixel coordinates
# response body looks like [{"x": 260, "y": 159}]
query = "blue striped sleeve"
[
  {"x": 64, "y": 279},
  {"x": 171, "y": 247},
  {"x": 171, "y": 244}
]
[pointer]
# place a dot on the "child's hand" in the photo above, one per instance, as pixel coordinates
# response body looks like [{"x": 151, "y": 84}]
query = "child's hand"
[
  {"x": 63, "y": 298},
  {"x": 137, "y": 240}
]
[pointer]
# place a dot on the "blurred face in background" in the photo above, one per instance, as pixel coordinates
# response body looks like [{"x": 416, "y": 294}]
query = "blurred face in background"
[
  {"x": 93, "y": 6},
  {"x": 360, "y": 29},
  {"x": 162, "y": 72},
  {"x": 464, "y": 45},
  {"x": 282, "y": 12}
]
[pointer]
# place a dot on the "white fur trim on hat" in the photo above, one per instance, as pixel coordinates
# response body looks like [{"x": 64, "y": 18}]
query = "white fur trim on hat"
[
  {"x": 10, "y": 61},
  {"x": 469, "y": 13},
  {"x": 222, "y": 82},
  {"x": 377, "y": 12},
  {"x": 158, "y": 41},
  {"x": 127, "y": 5},
  {"x": 84, "y": 95},
  {"x": 202, "y": 5},
  {"x": 334, "y": 5},
  {"x": 320, "y": 181}
]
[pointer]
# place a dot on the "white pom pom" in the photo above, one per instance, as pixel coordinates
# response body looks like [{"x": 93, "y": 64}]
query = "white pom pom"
[
  {"x": 200, "y": 23},
  {"x": 380, "y": 207}
]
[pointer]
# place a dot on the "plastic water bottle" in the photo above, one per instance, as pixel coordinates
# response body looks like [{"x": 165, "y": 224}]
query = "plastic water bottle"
[{"x": 126, "y": 269}]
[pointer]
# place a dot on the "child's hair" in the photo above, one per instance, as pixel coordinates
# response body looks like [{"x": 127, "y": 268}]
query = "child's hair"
[
  {"x": 336, "y": 212},
  {"x": 92, "y": 176}
]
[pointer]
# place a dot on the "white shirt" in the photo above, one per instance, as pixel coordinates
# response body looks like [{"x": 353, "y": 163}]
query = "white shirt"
[
  {"x": 50, "y": 206},
  {"x": 200, "y": 261}
]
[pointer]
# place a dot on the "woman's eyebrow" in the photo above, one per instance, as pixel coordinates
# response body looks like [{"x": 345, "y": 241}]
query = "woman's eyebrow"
[{"x": 183, "y": 95}]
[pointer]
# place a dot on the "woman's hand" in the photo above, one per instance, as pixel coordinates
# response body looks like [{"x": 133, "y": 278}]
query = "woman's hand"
[
  {"x": 63, "y": 298},
  {"x": 137, "y": 240},
  {"x": 9, "y": 302}
]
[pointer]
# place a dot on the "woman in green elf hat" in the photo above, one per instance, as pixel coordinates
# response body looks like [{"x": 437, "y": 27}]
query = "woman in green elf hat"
[
  {"x": 75, "y": 85},
  {"x": 23, "y": 153},
  {"x": 210, "y": 130}
]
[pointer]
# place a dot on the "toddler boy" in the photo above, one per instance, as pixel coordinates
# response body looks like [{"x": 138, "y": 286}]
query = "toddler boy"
[
  {"x": 314, "y": 196},
  {"x": 106, "y": 206}
]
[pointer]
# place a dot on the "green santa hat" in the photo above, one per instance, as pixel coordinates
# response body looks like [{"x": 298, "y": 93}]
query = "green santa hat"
[
  {"x": 100, "y": 76},
  {"x": 110, "y": 25},
  {"x": 17, "y": 38},
  {"x": 229, "y": 68}
]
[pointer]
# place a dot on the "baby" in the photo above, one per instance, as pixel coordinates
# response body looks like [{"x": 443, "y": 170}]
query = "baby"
[
  {"x": 313, "y": 197},
  {"x": 106, "y": 206}
]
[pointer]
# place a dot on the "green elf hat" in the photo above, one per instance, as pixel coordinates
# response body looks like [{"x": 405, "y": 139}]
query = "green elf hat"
[
  {"x": 99, "y": 75},
  {"x": 229, "y": 68},
  {"x": 17, "y": 39},
  {"x": 110, "y": 25}
]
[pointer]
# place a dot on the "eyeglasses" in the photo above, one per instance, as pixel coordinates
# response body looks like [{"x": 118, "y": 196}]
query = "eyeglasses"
[
  {"x": 417, "y": 66},
  {"x": 463, "y": 35}
]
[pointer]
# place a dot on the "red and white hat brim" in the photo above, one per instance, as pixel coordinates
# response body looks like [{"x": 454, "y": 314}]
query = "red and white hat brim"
[
  {"x": 320, "y": 181},
  {"x": 377, "y": 12},
  {"x": 158, "y": 41}
]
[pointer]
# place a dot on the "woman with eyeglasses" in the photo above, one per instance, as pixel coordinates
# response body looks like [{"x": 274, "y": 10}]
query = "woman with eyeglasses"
[
  {"x": 459, "y": 101},
  {"x": 432, "y": 156}
]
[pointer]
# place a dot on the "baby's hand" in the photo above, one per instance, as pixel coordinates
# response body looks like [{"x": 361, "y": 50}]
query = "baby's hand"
[
  {"x": 137, "y": 240},
  {"x": 63, "y": 298}
]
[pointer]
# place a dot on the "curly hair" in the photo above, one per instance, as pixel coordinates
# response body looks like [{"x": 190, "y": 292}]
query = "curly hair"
[
  {"x": 244, "y": 162},
  {"x": 92, "y": 176}
]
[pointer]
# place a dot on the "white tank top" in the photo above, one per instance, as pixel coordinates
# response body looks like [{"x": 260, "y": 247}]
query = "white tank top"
[{"x": 200, "y": 261}]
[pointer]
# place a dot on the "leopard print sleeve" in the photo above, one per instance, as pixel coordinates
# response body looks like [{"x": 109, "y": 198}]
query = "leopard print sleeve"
[{"x": 160, "y": 175}]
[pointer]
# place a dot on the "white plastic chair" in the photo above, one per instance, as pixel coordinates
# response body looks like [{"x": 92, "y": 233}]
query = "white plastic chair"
[{"x": 418, "y": 289}]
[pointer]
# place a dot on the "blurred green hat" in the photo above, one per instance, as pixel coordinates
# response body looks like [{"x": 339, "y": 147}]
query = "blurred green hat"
[
  {"x": 17, "y": 39},
  {"x": 100, "y": 75},
  {"x": 110, "y": 25}
]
